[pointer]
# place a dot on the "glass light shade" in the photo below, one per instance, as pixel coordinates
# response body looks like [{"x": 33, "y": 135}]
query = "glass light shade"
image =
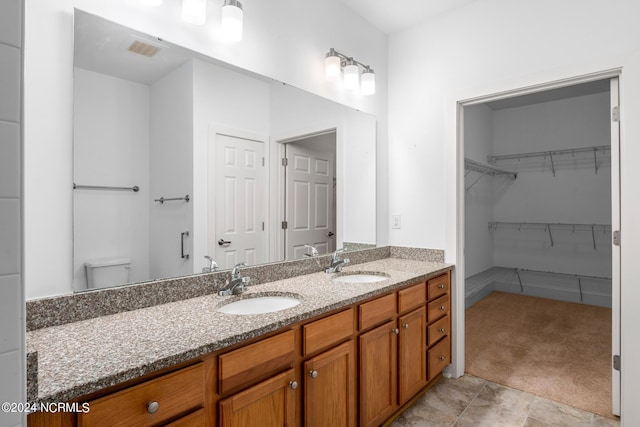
[
  {"x": 332, "y": 68},
  {"x": 351, "y": 76},
  {"x": 194, "y": 11},
  {"x": 231, "y": 24},
  {"x": 151, "y": 2},
  {"x": 368, "y": 82}
]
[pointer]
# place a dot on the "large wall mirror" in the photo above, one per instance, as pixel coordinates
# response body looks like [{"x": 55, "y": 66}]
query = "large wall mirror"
[{"x": 179, "y": 159}]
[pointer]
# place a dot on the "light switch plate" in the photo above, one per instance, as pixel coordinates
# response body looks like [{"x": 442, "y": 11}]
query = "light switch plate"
[{"x": 396, "y": 221}]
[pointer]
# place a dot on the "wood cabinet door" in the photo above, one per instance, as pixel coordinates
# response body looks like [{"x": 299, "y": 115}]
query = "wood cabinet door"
[
  {"x": 271, "y": 403},
  {"x": 412, "y": 364},
  {"x": 378, "y": 374},
  {"x": 330, "y": 388}
]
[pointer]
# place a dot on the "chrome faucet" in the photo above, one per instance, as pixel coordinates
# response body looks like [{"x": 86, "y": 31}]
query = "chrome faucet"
[
  {"x": 212, "y": 265},
  {"x": 336, "y": 262},
  {"x": 237, "y": 284}
]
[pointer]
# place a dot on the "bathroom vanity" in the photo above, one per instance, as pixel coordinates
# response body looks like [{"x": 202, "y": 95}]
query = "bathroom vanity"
[{"x": 348, "y": 354}]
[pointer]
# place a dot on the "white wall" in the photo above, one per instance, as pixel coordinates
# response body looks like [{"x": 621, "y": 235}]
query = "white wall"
[
  {"x": 171, "y": 173},
  {"x": 223, "y": 101},
  {"x": 110, "y": 148},
  {"x": 576, "y": 194},
  {"x": 293, "y": 115},
  {"x": 12, "y": 353},
  {"x": 478, "y": 137},
  {"x": 284, "y": 39},
  {"x": 492, "y": 46}
]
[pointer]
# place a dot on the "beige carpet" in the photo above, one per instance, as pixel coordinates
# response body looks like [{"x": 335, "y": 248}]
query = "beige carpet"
[{"x": 553, "y": 349}]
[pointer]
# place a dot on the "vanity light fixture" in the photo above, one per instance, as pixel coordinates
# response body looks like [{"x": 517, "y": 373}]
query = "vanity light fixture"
[
  {"x": 231, "y": 20},
  {"x": 194, "y": 11},
  {"x": 335, "y": 63}
]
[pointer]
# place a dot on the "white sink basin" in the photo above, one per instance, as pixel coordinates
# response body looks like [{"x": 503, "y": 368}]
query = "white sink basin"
[
  {"x": 361, "y": 278},
  {"x": 259, "y": 305}
]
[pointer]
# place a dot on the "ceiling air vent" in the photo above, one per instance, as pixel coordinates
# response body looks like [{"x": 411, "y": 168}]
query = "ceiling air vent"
[{"x": 142, "y": 48}]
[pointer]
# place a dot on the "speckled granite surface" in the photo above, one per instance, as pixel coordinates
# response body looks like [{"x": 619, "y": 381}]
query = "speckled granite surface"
[
  {"x": 46, "y": 312},
  {"x": 417, "y": 254},
  {"x": 78, "y": 358}
]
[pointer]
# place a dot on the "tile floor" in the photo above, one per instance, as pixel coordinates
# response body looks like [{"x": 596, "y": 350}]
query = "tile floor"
[{"x": 472, "y": 401}]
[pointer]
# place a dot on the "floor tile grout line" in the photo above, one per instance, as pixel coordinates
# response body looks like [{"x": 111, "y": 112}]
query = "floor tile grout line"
[{"x": 484, "y": 385}]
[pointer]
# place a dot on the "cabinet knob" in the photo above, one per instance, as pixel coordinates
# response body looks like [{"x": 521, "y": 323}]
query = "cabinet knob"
[
  {"x": 152, "y": 407},
  {"x": 395, "y": 331},
  {"x": 441, "y": 286},
  {"x": 293, "y": 385},
  {"x": 441, "y": 358},
  {"x": 405, "y": 325},
  {"x": 443, "y": 330},
  {"x": 313, "y": 374},
  {"x": 442, "y": 307}
]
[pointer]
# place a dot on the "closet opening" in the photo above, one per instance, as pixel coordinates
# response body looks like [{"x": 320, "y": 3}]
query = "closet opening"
[{"x": 541, "y": 274}]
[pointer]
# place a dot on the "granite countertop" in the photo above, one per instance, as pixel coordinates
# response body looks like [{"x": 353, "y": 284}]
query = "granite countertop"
[{"x": 83, "y": 357}]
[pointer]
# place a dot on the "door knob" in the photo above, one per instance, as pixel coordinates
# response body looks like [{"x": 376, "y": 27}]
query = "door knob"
[
  {"x": 313, "y": 374},
  {"x": 293, "y": 385},
  {"x": 223, "y": 242}
]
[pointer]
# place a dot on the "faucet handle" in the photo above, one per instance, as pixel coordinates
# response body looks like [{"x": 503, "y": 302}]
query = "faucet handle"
[
  {"x": 234, "y": 271},
  {"x": 213, "y": 266},
  {"x": 314, "y": 251},
  {"x": 334, "y": 256}
]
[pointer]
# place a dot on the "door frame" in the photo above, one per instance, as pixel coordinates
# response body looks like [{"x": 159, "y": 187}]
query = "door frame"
[
  {"x": 278, "y": 208},
  {"x": 457, "y": 368}
]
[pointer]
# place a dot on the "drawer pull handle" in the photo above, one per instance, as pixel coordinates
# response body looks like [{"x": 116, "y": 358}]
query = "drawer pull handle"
[
  {"x": 442, "y": 307},
  {"x": 441, "y": 286},
  {"x": 443, "y": 330},
  {"x": 395, "y": 331},
  {"x": 293, "y": 385},
  {"x": 405, "y": 325},
  {"x": 442, "y": 358},
  {"x": 313, "y": 374},
  {"x": 152, "y": 407}
]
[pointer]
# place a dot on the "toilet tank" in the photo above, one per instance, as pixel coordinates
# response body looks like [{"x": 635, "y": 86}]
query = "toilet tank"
[{"x": 104, "y": 273}]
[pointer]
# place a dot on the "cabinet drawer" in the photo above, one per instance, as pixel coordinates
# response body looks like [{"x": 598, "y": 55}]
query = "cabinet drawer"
[
  {"x": 412, "y": 297},
  {"x": 255, "y": 361},
  {"x": 175, "y": 393},
  {"x": 437, "y": 286},
  {"x": 438, "y": 308},
  {"x": 437, "y": 330},
  {"x": 326, "y": 332},
  {"x": 438, "y": 357},
  {"x": 195, "y": 419},
  {"x": 376, "y": 311}
]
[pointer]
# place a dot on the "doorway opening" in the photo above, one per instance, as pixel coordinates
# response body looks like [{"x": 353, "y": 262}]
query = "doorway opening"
[
  {"x": 309, "y": 194},
  {"x": 539, "y": 197}
]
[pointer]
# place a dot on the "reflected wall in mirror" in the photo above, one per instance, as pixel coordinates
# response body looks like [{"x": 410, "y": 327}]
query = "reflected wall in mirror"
[{"x": 204, "y": 144}]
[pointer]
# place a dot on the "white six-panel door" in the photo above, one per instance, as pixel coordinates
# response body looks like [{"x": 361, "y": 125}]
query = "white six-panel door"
[
  {"x": 310, "y": 199},
  {"x": 240, "y": 191}
]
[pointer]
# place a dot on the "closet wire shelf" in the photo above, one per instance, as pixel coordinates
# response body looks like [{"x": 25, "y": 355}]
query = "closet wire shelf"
[
  {"x": 482, "y": 169},
  {"x": 575, "y": 153},
  {"x": 550, "y": 227}
]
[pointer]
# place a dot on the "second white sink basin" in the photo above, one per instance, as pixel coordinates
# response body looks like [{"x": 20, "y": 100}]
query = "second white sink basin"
[
  {"x": 259, "y": 305},
  {"x": 361, "y": 278}
]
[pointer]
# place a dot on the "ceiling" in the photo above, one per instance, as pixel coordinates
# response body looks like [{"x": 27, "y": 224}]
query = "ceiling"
[{"x": 394, "y": 16}]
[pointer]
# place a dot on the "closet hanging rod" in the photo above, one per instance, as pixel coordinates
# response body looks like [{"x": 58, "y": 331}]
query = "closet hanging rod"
[
  {"x": 551, "y": 153},
  {"x": 161, "y": 200},
  {"x": 582, "y": 276},
  {"x": 135, "y": 188},
  {"x": 472, "y": 165}
]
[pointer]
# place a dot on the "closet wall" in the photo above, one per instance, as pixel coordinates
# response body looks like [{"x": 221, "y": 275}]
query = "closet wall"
[{"x": 565, "y": 190}]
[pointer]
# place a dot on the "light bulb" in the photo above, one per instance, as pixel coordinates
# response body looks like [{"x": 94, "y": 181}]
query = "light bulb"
[
  {"x": 194, "y": 11},
  {"x": 351, "y": 76},
  {"x": 368, "y": 82},
  {"x": 332, "y": 66},
  {"x": 231, "y": 23}
]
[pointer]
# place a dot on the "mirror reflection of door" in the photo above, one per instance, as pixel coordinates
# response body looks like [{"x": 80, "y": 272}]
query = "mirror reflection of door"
[
  {"x": 310, "y": 195},
  {"x": 238, "y": 234}
]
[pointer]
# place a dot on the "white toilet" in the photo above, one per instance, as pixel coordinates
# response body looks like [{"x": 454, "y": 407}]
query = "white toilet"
[{"x": 104, "y": 273}]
